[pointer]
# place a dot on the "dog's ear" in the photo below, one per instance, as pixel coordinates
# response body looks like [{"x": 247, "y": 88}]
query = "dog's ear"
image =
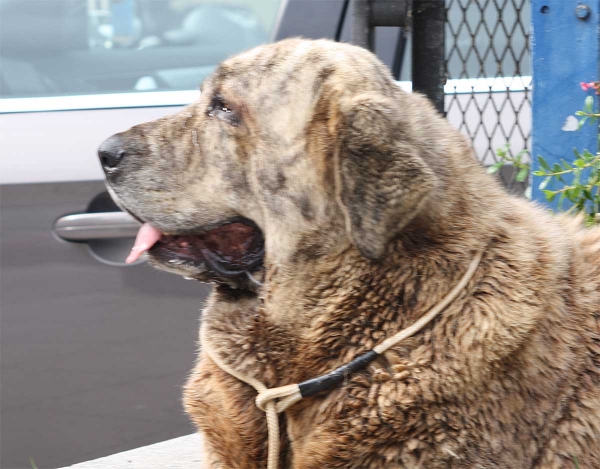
[{"x": 382, "y": 181}]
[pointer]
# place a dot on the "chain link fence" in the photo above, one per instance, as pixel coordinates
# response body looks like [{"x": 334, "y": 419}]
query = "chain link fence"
[
  {"x": 488, "y": 91},
  {"x": 487, "y": 94}
]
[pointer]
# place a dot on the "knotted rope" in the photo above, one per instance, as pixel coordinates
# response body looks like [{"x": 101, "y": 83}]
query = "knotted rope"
[{"x": 276, "y": 400}]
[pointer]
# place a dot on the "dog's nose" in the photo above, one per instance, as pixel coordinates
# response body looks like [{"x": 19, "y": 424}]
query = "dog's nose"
[{"x": 111, "y": 152}]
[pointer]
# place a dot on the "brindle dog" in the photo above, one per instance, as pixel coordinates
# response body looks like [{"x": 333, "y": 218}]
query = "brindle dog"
[{"x": 331, "y": 210}]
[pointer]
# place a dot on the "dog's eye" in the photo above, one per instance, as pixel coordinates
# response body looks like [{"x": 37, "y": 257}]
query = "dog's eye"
[
  {"x": 217, "y": 105},
  {"x": 218, "y": 108}
]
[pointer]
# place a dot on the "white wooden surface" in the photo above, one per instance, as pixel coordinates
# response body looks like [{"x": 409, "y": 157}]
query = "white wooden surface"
[{"x": 179, "y": 453}]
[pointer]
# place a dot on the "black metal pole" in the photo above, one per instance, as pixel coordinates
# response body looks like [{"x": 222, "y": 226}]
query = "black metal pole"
[
  {"x": 340, "y": 25},
  {"x": 363, "y": 33},
  {"x": 428, "y": 52}
]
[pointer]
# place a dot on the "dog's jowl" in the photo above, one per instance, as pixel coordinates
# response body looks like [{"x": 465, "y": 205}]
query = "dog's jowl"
[{"x": 332, "y": 210}]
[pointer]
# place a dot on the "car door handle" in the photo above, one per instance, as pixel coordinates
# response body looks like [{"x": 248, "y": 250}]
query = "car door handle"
[{"x": 89, "y": 226}]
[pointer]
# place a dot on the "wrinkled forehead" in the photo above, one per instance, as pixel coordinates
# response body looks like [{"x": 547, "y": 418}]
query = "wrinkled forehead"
[
  {"x": 283, "y": 86},
  {"x": 276, "y": 67},
  {"x": 291, "y": 65}
]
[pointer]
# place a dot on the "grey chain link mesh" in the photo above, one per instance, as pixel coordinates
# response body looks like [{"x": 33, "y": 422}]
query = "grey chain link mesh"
[{"x": 488, "y": 70}]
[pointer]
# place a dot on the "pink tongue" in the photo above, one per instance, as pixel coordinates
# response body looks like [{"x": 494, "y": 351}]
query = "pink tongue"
[{"x": 145, "y": 239}]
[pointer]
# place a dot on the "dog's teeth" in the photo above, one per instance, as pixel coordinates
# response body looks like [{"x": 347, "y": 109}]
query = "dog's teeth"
[{"x": 176, "y": 261}]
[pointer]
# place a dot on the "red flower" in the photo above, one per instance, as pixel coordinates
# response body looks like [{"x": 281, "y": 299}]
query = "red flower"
[{"x": 592, "y": 85}]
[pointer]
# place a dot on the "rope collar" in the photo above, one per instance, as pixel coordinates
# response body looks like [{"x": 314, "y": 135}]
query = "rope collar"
[{"x": 276, "y": 400}]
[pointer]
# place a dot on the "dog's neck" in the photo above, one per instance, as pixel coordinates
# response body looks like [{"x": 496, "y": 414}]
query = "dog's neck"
[
  {"x": 349, "y": 284},
  {"x": 328, "y": 303},
  {"x": 342, "y": 306},
  {"x": 304, "y": 271}
]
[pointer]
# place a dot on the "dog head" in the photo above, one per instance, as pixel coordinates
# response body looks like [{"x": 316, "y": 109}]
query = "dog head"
[{"x": 291, "y": 144}]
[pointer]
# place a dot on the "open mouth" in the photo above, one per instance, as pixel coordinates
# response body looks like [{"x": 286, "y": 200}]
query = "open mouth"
[{"x": 228, "y": 254}]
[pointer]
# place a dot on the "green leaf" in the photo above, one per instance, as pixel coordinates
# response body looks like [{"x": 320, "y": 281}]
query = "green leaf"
[
  {"x": 560, "y": 178},
  {"x": 565, "y": 164},
  {"x": 589, "y": 104},
  {"x": 574, "y": 194},
  {"x": 502, "y": 152},
  {"x": 579, "y": 163},
  {"x": 495, "y": 167},
  {"x": 561, "y": 200},
  {"x": 522, "y": 174},
  {"x": 543, "y": 163},
  {"x": 590, "y": 220},
  {"x": 550, "y": 195},
  {"x": 522, "y": 153},
  {"x": 545, "y": 183}
]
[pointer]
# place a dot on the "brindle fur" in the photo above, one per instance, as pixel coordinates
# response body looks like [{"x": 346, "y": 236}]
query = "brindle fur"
[{"x": 372, "y": 207}]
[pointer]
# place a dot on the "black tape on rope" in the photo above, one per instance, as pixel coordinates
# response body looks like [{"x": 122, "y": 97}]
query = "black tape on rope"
[{"x": 333, "y": 378}]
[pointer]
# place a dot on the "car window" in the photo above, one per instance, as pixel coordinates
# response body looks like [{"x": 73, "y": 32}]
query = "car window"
[{"x": 82, "y": 47}]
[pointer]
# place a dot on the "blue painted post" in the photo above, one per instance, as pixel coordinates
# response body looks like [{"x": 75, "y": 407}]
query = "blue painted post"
[{"x": 566, "y": 51}]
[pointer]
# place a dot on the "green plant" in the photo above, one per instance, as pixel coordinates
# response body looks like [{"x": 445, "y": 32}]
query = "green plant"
[
  {"x": 506, "y": 159},
  {"x": 587, "y": 112},
  {"x": 579, "y": 180},
  {"x": 582, "y": 189}
]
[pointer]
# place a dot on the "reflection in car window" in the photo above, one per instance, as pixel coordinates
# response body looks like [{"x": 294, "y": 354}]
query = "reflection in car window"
[{"x": 80, "y": 47}]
